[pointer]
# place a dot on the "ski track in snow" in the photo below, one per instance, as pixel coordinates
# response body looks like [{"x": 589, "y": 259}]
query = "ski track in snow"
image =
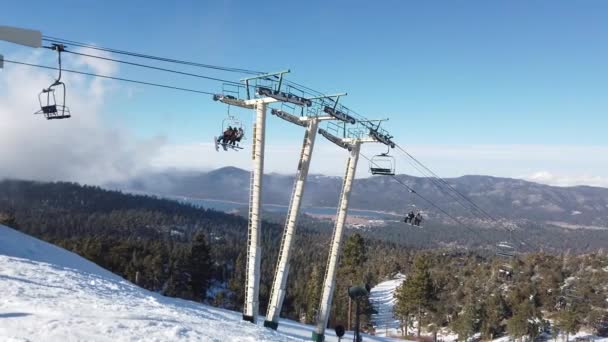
[
  {"x": 50, "y": 294},
  {"x": 382, "y": 298}
]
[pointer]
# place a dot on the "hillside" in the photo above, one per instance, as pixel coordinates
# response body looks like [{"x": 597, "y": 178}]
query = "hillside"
[
  {"x": 133, "y": 234},
  {"x": 513, "y": 199},
  {"x": 50, "y": 294},
  {"x": 155, "y": 238}
]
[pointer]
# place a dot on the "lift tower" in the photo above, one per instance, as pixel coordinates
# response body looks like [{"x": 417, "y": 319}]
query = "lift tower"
[
  {"x": 352, "y": 141},
  {"x": 279, "y": 285},
  {"x": 16, "y": 35},
  {"x": 259, "y": 102}
]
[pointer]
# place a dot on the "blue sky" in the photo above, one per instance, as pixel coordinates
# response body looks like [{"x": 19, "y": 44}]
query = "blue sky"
[{"x": 466, "y": 73}]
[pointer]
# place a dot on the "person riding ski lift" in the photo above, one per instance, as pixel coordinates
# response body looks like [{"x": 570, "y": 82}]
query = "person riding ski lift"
[
  {"x": 409, "y": 218},
  {"x": 418, "y": 219},
  {"x": 236, "y": 136},
  {"x": 226, "y": 135},
  {"x": 239, "y": 135},
  {"x": 233, "y": 136}
]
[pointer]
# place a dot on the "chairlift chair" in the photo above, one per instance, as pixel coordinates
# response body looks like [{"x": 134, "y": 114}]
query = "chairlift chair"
[
  {"x": 230, "y": 121},
  {"x": 414, "y": 209},
  {"x": 49, "y": 106},
  {"x": 505, "y": 249},
  {"x": 233, "y": 122},
  {"x": 48, "y": 103},
  {"x": 382, "y": 164}
]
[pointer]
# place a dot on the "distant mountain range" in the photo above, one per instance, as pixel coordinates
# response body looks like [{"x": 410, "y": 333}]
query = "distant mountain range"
[{"x": 510, "y": 200}]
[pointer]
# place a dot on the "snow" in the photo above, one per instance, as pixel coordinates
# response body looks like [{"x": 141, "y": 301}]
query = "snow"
[
  {"x": 50, "y": 294},
  {"x": 383, "y": 300},
  {"x": 586, "y": 336}
]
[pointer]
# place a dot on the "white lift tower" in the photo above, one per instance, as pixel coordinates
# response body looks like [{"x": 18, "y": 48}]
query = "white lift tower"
[
  {"x": 352, "y": 140},
  {"x": 279, "y": 285},
  {"x": 263, "y": 96},
  {"x": 25, "y": 37}
]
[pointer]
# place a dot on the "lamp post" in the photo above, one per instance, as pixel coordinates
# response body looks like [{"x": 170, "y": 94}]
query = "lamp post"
[{"x": 357, "y": 293}]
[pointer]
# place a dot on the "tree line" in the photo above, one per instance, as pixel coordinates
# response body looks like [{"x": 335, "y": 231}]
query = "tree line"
[
  {"x": 523, "y": 297},
  {"x": 184, "y": 251}
]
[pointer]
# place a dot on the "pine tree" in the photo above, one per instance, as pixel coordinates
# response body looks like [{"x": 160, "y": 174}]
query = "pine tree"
[
  {"x": 351, "y": 272},
  {"x": 403, "y": 307},
  {"x": 199, "y": 266},
  {"x": 524, "y": 321},
  {"x": 493, "y": 313},
  {"x": 465, "y": 323},
  {"x": 237, "y": 281},
  {"x": 8, "y": 219},
  {"x": 354, "y": 256},
  {"x": 313, "y": 294},
  {"x": 567, "y": 322},
  {"x": 415, "y": 295}
]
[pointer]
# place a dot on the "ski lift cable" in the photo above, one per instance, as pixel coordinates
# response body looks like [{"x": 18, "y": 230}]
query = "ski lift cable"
[
  {"x": 411, "y": 190},
  {"x": 438, "y": 185},
  {"x": 154, "y": 68},
  {"x": 112, "y": 78},
  {"x": 443, "y": 181},
  {"x": 295, "y": 85},
  {"x": 141, "y": 55},
  {"x": 440, "y": 181}
]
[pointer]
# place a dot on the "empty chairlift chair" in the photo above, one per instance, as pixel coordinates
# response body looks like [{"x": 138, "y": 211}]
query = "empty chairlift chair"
[
  {"x": 382, "y": 164},
  {"x": 48, "y": 103},
  {"x": 49, "y": 106},
  {"x": 505, "y": 250}
]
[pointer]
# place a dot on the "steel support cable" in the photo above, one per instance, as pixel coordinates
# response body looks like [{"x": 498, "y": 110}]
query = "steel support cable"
[
  {"x": 439, "y": 182},
  {"x": 438, "y": 185},
  {"x": 432, "y": 175},
  {"x": 411, "y": 190},
  {"x": 445, "y": 182},
  {"x": 474, "y": 205},
  {"x": 154, "y": 68},
  {"x": 141, "y": 55},
  {"x": 112, "y": 78},
  {"x": 208, "y": 66}
]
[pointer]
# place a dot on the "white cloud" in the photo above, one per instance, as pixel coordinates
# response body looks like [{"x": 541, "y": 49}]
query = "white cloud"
[
  {"x": 562, "y": 165},
  {"x": 83, "y": 148},
  {"x": 566, "y": 180},
  {"x": 280, "y": 158},
  {"x": 513, "y": 161}
]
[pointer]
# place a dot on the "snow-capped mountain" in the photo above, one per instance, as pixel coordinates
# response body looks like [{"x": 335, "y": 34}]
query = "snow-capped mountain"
[{"x": 511, "y": 199}]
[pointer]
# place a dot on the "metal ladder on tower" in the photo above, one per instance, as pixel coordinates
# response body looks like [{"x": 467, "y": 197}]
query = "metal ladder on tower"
[
  {"x": 335, "y": 231},
  {"x": 282, "y": 249},
  {"x": 250, "y": 221}
]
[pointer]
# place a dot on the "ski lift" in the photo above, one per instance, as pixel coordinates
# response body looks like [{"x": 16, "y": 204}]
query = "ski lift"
[
  {"x": 505, "y": 249},
  {"x": 49, "y": 106},
  {"x": 382, "y": 164},
  {"x": 230, "y": 122},
  {"x": 414, "y": 216}
]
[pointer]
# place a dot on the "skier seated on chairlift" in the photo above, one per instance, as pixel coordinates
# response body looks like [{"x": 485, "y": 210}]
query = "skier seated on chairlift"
[
  {"x": 418, "y": 219},
  {"x": 236, "y": 136},
  {"x": 226, "y": 136},
  {"x": 409, "y": 218}
]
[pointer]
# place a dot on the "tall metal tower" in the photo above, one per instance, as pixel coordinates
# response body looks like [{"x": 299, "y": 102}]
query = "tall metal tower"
[
  {"x": 277, "y": 293},
  {"x": 267, "y": 90},
  {"x": 352, "y": 140},
  {"x": 16, "y": 35}
]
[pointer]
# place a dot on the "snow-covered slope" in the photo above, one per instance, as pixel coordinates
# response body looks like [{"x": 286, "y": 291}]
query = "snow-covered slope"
[
  {"x": 382, "y": 298},
  {"x": 50, "y": 294}
]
